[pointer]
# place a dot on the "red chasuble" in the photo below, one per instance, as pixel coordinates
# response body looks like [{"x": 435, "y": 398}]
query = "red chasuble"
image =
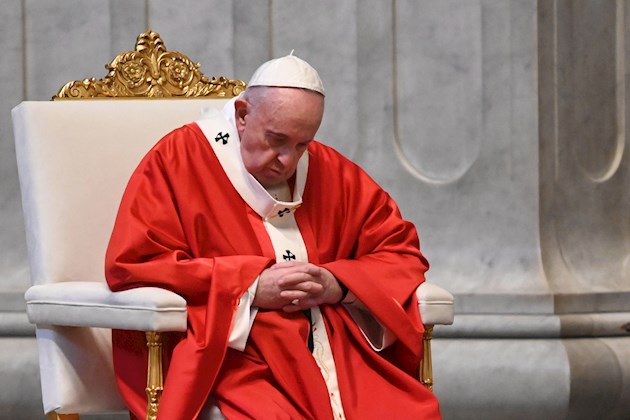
[{"x": 182, "y": 226}]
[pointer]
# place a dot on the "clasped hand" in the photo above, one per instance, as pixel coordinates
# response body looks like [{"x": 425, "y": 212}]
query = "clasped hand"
[{"x": 296, "y": 286}]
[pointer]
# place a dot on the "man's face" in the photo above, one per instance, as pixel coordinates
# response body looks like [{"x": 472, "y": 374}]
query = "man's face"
[{"x": 275, "y": 126}]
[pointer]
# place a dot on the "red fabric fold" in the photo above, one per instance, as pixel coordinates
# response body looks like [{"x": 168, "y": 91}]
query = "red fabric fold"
[{"x": 183, "y": 227}]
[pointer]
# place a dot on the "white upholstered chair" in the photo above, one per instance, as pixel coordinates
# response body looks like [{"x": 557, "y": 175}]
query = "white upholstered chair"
[{"x": 74, "y": 159}]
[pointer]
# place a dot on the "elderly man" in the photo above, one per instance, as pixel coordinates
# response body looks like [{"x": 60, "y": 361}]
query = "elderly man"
[{"x": 298, "y": 270}]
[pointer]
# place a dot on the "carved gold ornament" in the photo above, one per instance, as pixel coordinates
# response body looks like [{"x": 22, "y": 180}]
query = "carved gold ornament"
[{"x": 151, "y": 72}]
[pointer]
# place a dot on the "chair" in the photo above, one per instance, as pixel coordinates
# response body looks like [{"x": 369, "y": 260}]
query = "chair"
[{"x": 74, "y": 159}]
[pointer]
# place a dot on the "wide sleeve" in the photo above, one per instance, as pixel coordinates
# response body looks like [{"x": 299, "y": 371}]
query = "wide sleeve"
[
  {"x": 166, "y": 235},
  {"x": 372, "y": 249},
  {"x": 156, "y": 240}
]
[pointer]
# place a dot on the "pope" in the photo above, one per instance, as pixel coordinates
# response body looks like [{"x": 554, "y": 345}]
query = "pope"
[{"x": 298, "y": 270}]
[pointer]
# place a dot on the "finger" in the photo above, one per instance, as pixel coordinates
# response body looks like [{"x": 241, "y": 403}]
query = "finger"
[
  {"x": 310, "y": 269},
  {"x": 283, "y": 269},
  {"x": 300, "y": 295},
  {"x": 288, "y": 280},
  {"x": 299, "y": 266},
  {"x": 303, "y": 290},
  {"x": 293, "y": 295},
  {"x": 309, "y": 287},
  {"x": 288, "y": 264}
]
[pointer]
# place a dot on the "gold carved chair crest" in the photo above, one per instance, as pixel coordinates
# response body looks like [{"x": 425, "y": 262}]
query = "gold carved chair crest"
[{"x": 151, "y": 71}]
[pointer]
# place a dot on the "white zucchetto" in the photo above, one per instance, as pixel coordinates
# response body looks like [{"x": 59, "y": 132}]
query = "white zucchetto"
[{"x": 287, "y": 71}]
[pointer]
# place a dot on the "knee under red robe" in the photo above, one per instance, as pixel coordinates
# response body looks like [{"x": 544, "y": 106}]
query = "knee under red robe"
[{"x": 182, "y": 225}]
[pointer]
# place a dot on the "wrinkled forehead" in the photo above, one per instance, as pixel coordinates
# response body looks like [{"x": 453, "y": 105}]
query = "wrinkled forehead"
[
  {"x": 287, "y": 101},
  {"x": 257, "y": 94},
  {"x": 295, "y": 113}
]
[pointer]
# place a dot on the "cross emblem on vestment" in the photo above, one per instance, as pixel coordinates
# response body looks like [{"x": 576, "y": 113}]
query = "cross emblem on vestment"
[
  {"x": 283, "y": 212},
  {"x": 288, "y": 256},
  {"x": 222, "y": 137}
]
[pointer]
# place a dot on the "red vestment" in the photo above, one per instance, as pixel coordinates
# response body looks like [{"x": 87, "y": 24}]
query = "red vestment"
[{"x": 182, "y": 226}]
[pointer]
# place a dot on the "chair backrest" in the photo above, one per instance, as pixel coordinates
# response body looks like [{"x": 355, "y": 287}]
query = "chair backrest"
[
  {"x": 75, "y": 158},
  {"x": 74, "y": 161}
]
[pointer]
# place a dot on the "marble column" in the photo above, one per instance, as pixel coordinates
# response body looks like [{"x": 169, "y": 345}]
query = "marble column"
[{"x": 510, "y": 127}]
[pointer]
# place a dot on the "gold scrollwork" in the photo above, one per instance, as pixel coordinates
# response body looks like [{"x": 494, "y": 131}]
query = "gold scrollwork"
[{"x": 151, "y": 72}]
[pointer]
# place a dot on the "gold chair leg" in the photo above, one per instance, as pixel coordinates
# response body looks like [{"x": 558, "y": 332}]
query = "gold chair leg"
[
  {"x": 56, "y": 416},
  {"x": 155, "y": 382},
  {"x": 426, "y": 366}
]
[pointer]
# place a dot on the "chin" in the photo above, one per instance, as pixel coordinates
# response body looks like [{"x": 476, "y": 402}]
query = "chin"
[
  {"x": 271, "y": 183},
  {"x": 271, "y": 177}
]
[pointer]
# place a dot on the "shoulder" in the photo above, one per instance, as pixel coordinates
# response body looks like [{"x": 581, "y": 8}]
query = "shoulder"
[
  {"x": 182, "y": 141},
  {"x": 321, "y": 154},
  {"x": 180, "y": 137},
  {"x": 332, "y": 175},
  {"x": 325, "y": 159},
  {"x": 181, "y": 148}
]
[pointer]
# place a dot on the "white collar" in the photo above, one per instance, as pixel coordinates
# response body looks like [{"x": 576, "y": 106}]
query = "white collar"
[{"x": 220, "y": 130}]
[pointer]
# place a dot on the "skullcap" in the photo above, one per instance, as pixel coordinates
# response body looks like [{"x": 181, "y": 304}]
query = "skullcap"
[{"x": 287, "y": 71}]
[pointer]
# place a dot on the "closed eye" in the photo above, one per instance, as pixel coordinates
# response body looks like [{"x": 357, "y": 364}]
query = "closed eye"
[{"x": 275, "y": 139}]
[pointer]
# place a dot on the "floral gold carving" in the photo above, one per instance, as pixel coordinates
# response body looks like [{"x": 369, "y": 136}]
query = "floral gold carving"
[{"x": 151, "y": 72}]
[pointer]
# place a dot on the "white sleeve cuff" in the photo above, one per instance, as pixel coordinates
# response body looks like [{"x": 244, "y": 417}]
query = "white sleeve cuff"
[{"x": 243, "y": 319}]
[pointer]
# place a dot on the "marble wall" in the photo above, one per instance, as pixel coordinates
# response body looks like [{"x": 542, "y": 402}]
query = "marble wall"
[{"x": 499, "y": 126}]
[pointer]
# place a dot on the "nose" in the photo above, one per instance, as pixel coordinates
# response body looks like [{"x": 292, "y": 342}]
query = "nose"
[{"x": 287, "y": 157}]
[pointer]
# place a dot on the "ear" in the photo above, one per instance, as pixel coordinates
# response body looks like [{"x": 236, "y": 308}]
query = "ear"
[{"x": 241, "y": 108}]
